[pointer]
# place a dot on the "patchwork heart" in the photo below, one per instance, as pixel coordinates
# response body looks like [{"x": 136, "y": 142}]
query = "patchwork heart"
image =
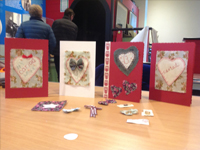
[
  {"x": 129, "y": 87},
  {"x": 77, "y": 74},
  {"x": 171, "y": 69},
  {"x": 115, "y": 90},
  {"x": 26, "y": 67},
  {"x": 126, "y": 59}
]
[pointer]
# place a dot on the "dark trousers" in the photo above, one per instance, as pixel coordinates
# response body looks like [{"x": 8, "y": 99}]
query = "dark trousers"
[{"x": 57, "y": 64}]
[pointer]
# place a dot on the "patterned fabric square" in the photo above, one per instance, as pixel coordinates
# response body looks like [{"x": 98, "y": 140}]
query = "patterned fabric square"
[
  {"x": 171, "y": 71},
  {"x": 49, "y": 106},
  {"x": 76, "y": 68},
  {"x": 26, "y": 68}
]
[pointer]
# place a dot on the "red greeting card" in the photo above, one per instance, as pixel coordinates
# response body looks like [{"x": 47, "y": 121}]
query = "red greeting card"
[
  {"x": 26, "y": 63},
  {"x": 171, "y": 75},
  {"x": 123, "y": 70}
]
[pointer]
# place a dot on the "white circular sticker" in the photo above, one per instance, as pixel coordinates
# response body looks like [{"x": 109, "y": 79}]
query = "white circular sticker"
[
  {"x": 0, "y": 27},
  {"x": 71, "y": 136}
]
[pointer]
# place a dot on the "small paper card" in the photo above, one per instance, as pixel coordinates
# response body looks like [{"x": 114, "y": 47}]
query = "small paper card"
[
  {"x": 171, "y": 75},
  {"x": 147, "y": 112},
  {"x": 123, "y": 70},
  {"x": 77, "y": 68},
  {"x": 125, "y": 105},
  {"x": 49, "y": 106},
  {"x": 26, "y": 61},
  {"x": 138, "y": 121}
]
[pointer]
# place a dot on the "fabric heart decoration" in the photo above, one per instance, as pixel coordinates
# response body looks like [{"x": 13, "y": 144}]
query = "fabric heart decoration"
[
  {"x": 129, "y": 87},
  {"x": 26, "y": 66},
  {"x": 126, "y": 59},
  {"x": 115, "y": 90},
  {"x": 81, "y": 64},
  {"x": 171, "y": 69}
]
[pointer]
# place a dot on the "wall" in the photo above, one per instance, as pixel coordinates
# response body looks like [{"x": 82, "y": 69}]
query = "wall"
[
  {"x": 173, "y": 20},
  {"x": 53, "y": 8}
]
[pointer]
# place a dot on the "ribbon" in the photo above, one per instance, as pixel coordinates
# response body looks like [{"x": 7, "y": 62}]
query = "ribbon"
[
  {"x": 79, "y": 64},
  {"x": 93, "y": 110},
  {"x": 29, "y": 56}
]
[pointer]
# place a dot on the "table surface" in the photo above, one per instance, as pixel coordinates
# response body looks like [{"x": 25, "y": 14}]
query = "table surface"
[{"x": 173, "y": 127}]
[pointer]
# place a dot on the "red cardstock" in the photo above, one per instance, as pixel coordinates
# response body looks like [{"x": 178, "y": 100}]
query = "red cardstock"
[
  {"x": 29, "y": 44},
  {"x": 167, "y": 96},
  {"x": 114, "y": 76}
]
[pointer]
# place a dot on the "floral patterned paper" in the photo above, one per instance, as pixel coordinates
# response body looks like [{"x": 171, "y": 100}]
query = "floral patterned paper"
[
  {"x": 179, "y": 85},
  {"x": 115, "y": 90},
  {"x": 40, "y": 106},
  {"x": 129, "y": 87},
  {"x": 36, "y": 79},
  {"x": 76, "y": 76}
]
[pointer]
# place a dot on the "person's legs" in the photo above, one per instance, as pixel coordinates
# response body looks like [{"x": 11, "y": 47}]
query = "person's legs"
[{"x": 57, "y": 64}]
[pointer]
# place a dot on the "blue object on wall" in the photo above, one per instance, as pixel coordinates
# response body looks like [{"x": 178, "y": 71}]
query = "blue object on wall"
[{"x": 11, "y": 12}]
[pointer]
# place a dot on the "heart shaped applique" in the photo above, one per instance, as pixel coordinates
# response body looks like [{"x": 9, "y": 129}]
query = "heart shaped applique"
[
  {"x": 129, "y": 87},
  {"x": 115, "y": 90},
  {"x": 26, "y": 67},
  {"x": 126, "y": 59},
  {"x": 77, "y": 73},
  {"x": 171, "y": 69}
]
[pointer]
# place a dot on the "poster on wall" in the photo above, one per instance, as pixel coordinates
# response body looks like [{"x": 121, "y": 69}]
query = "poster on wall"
[
  {"x": 27, "y": 68},
  {"x": 171, "y": 75},
  {"x": 77, "y": 68},
  {"x": 64, "y": 4},
  {"x": 13, "y": 21},
  {"x": 123, "y": 70}
]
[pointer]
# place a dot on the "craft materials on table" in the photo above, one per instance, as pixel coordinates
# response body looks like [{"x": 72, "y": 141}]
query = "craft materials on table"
[
  {"x": 129, "y": 112},
  {"x": 138, "y": 121},
  {"x": 107, "y": 101},
  {"x": 71, "y": 110},
  {"x": 147, "y": 112},
  {"x": 125, "y": 105},
  {"x": 49, "y": 106},
  {"x": 93, "y": 110}
]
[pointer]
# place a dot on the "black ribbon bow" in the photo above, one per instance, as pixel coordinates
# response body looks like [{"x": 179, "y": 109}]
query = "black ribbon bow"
[{"x": 79, "y": 64}]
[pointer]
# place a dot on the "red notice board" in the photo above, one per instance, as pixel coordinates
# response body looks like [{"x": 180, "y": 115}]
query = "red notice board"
[{"x": 197, "y": 53}]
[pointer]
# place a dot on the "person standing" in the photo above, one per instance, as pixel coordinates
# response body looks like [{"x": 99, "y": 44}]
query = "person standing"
[
  {"x": 35, "y": 28},
  {"x": 64, "y": 29}
]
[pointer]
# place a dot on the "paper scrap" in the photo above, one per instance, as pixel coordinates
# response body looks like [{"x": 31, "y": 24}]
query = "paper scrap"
[
  {"x": 125, "y": 105},
  {"x": 138, "y": 121},
  {"x": 71, "y": 136},
  {"x": 147, "y": 112}
]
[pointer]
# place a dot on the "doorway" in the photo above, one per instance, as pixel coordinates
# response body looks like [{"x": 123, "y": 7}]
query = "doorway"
[{"x": 94, "y": 24}]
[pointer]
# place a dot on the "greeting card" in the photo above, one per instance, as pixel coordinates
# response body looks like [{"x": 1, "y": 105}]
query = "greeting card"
[
  {"x": 27, "y": 68},
  {"x": 77, "y": 68},
  {"x": 123, "y": 70},
  {"x": 172, "y": 72}
]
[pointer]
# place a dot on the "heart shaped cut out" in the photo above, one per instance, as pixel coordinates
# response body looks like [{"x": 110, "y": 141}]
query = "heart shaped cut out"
[
  {"x": 77, "y": 74},
  {"x": 126, "y": 59},
  {"x": 129, "y": 87},
  {"x": 115, "y": 90},
  {"x": 26, "y": 67},
  {"x": 171, "y": 69}
]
